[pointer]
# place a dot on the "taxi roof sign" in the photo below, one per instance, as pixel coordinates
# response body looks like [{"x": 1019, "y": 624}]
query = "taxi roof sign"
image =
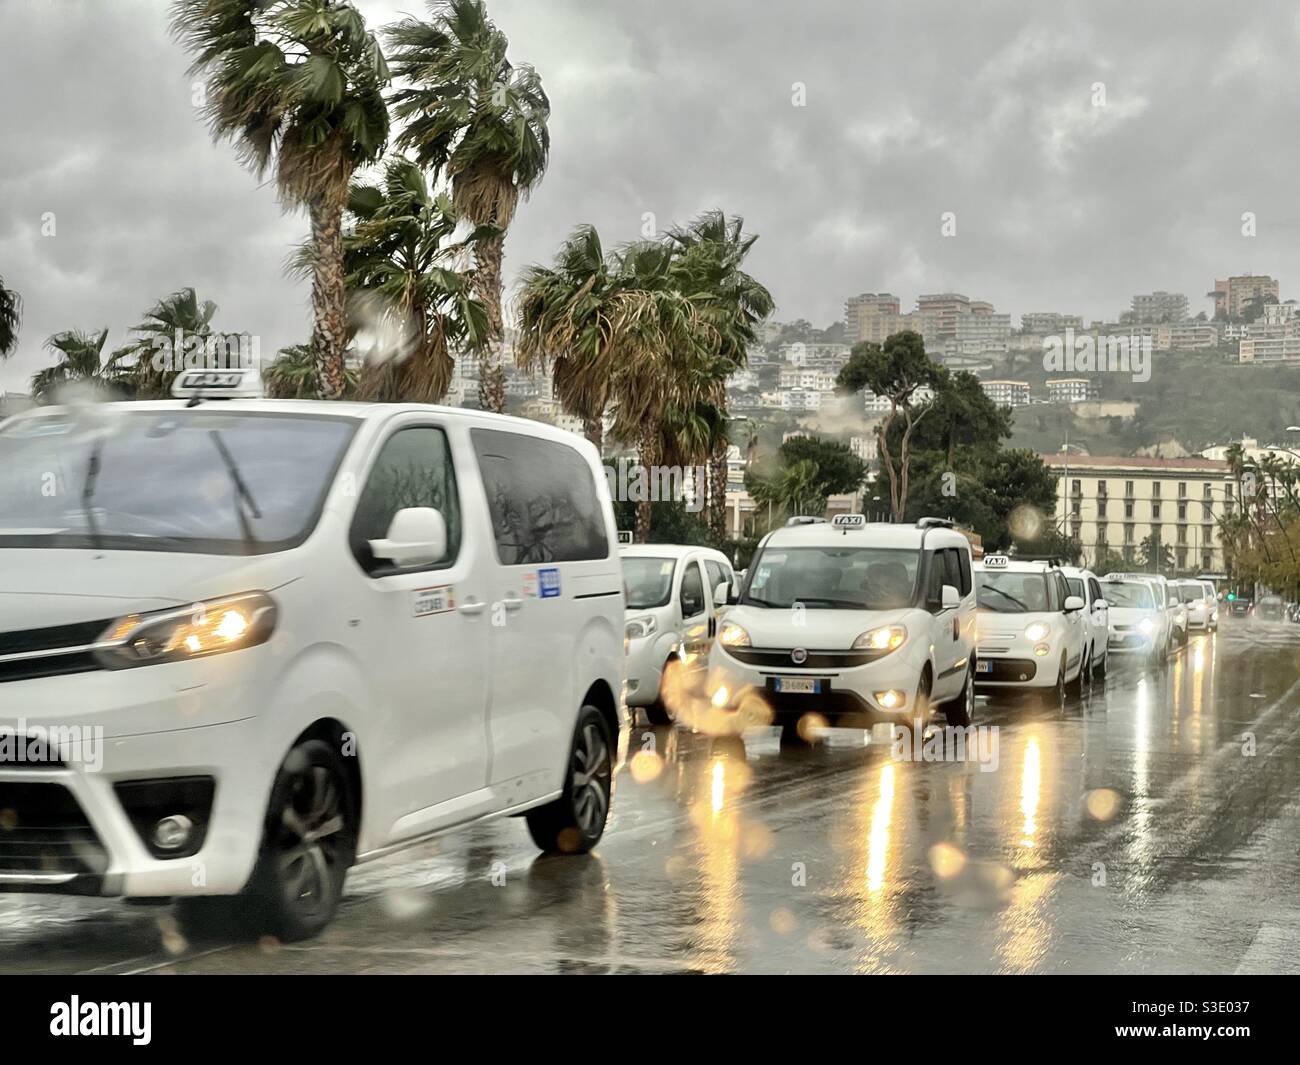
[
  {"x": 218, "y": 384},
  {"x": 995, "y": 561},
  {"x": 849, "y": 521}
]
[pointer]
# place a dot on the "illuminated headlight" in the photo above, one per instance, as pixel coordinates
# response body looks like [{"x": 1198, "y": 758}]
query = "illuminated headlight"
[
  {"x": 732, "y": 635},
  {"x": 884, "y": 639},
  {"x": 639, "y": 628},
  {"x": 893, "y": 699},
  {"x": 1037, "y": 630},
  {"x": 1147, "y": 626},
  {"x": 208, "y": 628},
  {"x": 1042, "y": 650}
]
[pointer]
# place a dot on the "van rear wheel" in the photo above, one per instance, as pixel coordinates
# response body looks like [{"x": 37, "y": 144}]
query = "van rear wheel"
[
  {"x": 574, "y": 822},
  {"x": 960, "y": 712},
  {"x": 658, "y": 712}
]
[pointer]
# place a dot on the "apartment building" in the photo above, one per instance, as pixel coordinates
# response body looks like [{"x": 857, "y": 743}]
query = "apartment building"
[
  {"x": 1269, "y": 349},
  {"x": 870, "y": 316},
  {"x": 1232, "y": 294},
  {"x": 874, "y": 404},
  {"x": 1110, "y": 505},
  {"x": 1189, "y": 336},
  {"x": 1159, "y": 306},
  {"x": 1071, "y": 389},
  {"x": 1007, "y": 393},
  {"x": 1043, "y": 322},
  {"x": 816, "y": 380}
]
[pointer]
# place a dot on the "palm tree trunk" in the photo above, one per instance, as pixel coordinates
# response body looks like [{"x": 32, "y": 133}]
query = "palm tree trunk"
[
  {"x": 329, "y": 294},
  {"x": 594, "y": 430},
  {"x": 718, "y": 492},
  {"x": 486, "y": 284},
  {"x": 647, "y": 458}
]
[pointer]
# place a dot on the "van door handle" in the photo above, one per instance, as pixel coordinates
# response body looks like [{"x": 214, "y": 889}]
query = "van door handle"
[
  {"x": 512, "y": 603},
  {"x": 471, "y": 607}
]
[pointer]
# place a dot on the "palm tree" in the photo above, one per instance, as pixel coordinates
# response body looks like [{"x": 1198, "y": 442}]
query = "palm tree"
[
  {"x": 11, "y": 316},
  {"x": 152, "y": 359},
  {"x": 293, "y": 374},
  {"x": 402, "y": 253},
  {"x": 471, "y": 114},
  {"x": 297, "y": 85},
  {"x": 708, "y": 258},
  {"x": 80, "y": 359}
]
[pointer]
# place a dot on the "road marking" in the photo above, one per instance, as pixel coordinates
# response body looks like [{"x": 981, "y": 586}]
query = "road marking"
[{"x": 1275, "y": 951}]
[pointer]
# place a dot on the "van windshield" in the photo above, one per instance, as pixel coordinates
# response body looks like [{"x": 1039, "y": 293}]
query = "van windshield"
[
  {"x": 1128, "y": 594},
  {"x": 833, "y": 578},
  {"x": 205, "y": 481},
  {"x": 1011, "y": 593},
  {"x": 647, "y": 582}
]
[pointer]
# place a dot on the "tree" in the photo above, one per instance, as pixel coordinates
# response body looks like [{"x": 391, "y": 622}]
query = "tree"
[
  {"x": 895, "y": 370},
  {"x": 11, "y": 316},
  {"x": 297, "y": 86},
  {"x": 151, "y": 361},
  {"x": 401, "y": 252},
  {"x": 808, "y": 472},
  {"x": 293, "y": 374},
  {"x": 81, "y": 358},
  {"x": 471, "y": 114},
  {"x": 1155, "y": 556}
]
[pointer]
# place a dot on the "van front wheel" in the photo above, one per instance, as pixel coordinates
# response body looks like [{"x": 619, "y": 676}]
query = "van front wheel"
[{"x": 574, "y": 822}]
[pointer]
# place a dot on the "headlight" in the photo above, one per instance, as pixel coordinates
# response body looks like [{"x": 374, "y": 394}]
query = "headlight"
[
  {"x": 1037, "y": 630},
  {"x": 884, "y": 639},
  {"x": 639, "y": 628},
  {"x": 732, "y": 635},
  {"x": 208, "y": 628},
  {"x": 1147, "y": 625}
]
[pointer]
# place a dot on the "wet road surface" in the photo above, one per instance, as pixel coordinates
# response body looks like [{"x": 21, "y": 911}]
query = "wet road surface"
[{"x": 1152, "y": 827}]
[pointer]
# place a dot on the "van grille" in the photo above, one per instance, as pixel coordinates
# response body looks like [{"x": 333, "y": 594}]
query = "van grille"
[
  {"x": 44, "y": 830},
  {"x": 38, "y": 642}
]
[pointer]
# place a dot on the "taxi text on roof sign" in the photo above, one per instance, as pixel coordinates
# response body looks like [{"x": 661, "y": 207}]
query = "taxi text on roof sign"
[
  {"x": 995, "y": 561},
  {"x": 849, "y": 521},
  {"x": 230, "y": 384}
]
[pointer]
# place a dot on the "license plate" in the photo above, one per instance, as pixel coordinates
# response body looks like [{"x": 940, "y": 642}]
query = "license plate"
[
  {"x": 799, "y": 685},
  {"x": 984, "y": 666}
]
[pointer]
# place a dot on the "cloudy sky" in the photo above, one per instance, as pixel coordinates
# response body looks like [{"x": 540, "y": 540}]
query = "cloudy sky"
[{"x": 676, "y": 106}]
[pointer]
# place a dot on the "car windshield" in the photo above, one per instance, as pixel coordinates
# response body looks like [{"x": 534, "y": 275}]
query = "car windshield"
[
  {"x": 1190, "y": 593},
  {"x": 1011, "y": 593},
  {"x": 833, "y": 578},
  {"x": 647, "y": 582},
  {"x": 1128, "y": 594},
  {"x": 203, "y": 480}
]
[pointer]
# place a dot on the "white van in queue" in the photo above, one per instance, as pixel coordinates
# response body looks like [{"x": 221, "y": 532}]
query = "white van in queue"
[
  {"x": 674, "y": 595},
  {"x": 1138, "y": 624},
  {"x": 859, "y": 623},
  {"x": 297, "y": 635},
  {"x": 1173, "y": 614},
  {"x": 1032, "y": 631},
  {"x": 1084, "y": 584}
]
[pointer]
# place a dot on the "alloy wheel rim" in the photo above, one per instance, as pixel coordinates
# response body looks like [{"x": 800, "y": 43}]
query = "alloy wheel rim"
[
  {"x": 313, "y": 825},
  {"x": 590, "y": 780}
]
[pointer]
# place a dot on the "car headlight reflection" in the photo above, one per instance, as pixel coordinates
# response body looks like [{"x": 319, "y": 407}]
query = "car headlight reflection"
[
  {"x": 1147, "y": 626},
  {"x": 1037, "y": 630},
  {"x": 208, "y": 628}
]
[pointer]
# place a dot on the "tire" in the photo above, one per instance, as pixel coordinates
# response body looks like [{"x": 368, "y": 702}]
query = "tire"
[
  {"x": 574, "y": 822},
  {"x": 658, "y": 712},
  {"x": 1053, "y": 698},
  {"x": 1079, "y": 685},
  {"x": 921, "y": 704},
  {"x": 1102, "y": 666},
  {"x": 308, "y": 844},
  {"x": 960, "y": 712}
]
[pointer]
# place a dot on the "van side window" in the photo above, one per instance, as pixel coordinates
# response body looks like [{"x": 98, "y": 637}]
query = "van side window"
[
  {"x": 717, "y": 574},
  {"x": 1094, "y": 590},
  {"x": 935, "y": 578},
  {"x": 952, "y": 570},
  {"x": 692, "y": 596},
  {"x": 542, "y": 499},
  {"x": 963, "y": 564},
  {"x": 413, "y": 469}
]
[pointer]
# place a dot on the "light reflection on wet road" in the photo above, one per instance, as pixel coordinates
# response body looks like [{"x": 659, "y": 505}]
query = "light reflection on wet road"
[{"x": 1129, "y": 834}]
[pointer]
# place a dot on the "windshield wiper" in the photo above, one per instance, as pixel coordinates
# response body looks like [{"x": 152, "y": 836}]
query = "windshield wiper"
[
  {"x": 88, "y": 492},
  {"x": 243, "y": 495},
  {"x": 1008, "y": 598}
]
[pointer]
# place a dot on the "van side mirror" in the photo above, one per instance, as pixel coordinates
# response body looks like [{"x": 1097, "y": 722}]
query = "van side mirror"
[
  {"x": 1100, "y": 604},
  {"x": 950, "y": 598},
  {"x": 721, "y": 595},
  {"x": 1073, "y": 603},
  {"x": 417, "y": 536}
]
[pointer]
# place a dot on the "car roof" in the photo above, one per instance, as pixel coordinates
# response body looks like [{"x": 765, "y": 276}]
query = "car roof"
[
  {"x": 670, "y": 551},
  {"x": 1076, "y": 571},
  {"x": 872, "y": 534},
  {"x": 1015, "y": 565}
]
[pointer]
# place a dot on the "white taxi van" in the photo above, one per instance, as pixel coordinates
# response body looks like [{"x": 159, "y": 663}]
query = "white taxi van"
[
  {"x": 295, "y": 635},
  {"x": 1032, "y": 631},
  {"x": 674, "y": 594},
  {"x": 858, "y": 623}
]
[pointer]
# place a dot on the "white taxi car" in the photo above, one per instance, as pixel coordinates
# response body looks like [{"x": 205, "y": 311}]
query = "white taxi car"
[
  {"x": 1084, "y": 584},
  {"x": 674, "y": 594},
  {"x": 272, "y": 638},
  {"x": 1139, "y": 626},
  {"x": 1032, "y": 631},
  {"x": 857, "y": 622}
]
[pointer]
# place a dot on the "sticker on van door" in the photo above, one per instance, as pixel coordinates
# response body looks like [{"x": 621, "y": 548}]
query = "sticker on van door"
[
  {"x": 434, "y": 600},
  {"x": 548, "y": 580}
]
